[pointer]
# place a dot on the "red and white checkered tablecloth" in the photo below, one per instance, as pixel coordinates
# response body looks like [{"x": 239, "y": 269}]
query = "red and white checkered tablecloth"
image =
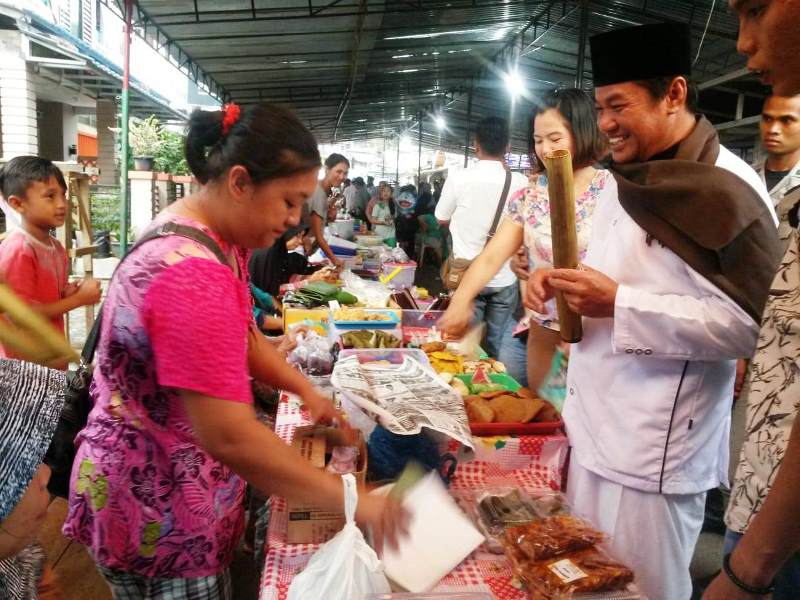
[{"x": 534, "y": 463}]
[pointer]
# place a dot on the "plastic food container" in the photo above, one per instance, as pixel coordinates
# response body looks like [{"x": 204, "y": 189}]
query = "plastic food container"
[
  {"x": 392, "y": 355},
  {"x": 391, "y": 320},
  {"x": 403, "y": 279},
  {"x": 489, "y": 429}
]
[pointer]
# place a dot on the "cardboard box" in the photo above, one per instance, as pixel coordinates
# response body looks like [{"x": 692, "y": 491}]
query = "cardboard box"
[{"x": 308, "y": 522}]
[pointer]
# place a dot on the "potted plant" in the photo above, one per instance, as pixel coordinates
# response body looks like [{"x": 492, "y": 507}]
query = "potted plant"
[{"x": 145, "y": 139}]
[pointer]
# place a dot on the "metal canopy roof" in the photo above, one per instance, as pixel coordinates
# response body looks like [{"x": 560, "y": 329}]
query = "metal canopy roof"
[{"x": 366, "y": 68}]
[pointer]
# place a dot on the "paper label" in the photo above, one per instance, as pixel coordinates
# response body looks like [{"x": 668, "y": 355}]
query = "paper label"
[
  {"x": 566, "y": 570},
  {"x": 334, "y": 305}
]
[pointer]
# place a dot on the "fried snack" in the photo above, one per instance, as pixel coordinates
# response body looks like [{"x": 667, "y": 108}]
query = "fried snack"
[
  {"x": 551, "y": 537},
  {"x": 445, "y": 362},
  {"x": 588, "y": 570},
  {"x": 478, "y": 410},
  {"x": 513, "y": 409},
  {"x": 430, "y": 347},
  {"x": 547, "y": 414},
  {"x": 526, "y": 393},
  {"x": 490, "y": 395},
  {"x": 460, "y": 387},
  {"x": 359, "y": 314}
]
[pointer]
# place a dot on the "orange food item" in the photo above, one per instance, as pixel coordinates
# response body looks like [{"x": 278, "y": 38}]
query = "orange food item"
[
  {"x": 588, "y": 570},
  {"x": 551, "y": 537}
]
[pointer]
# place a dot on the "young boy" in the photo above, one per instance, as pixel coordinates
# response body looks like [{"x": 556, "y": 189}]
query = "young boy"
[
  {"x": 31, "y": 398},
  {"x": 32, "y": 262}
]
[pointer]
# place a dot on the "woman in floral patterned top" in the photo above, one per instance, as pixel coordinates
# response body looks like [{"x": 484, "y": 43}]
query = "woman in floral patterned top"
[
  {"x": 561, "y": 120},
  {"x": 158, "y": 482}
]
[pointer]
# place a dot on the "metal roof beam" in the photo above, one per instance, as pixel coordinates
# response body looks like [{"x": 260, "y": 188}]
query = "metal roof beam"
[
  {"x": 737, "y": 74},
  {"x": 166, "y": 48}
]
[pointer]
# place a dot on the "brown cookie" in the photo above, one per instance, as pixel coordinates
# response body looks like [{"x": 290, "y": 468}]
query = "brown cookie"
[
  {"x": 478, "y": 410},
  {"x": 490, "y": 395},
  {"x": 547, "y": 414},
  {"x": 512, "y": 409},
  {"x": 524, "y": 392}
]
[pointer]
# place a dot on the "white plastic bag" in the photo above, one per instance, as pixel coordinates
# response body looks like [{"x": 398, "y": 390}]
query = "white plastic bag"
[{"x": 344, "y": 568}]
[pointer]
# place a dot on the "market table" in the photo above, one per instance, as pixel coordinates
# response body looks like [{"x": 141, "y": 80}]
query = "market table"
[{"x": 534, "y": 463}]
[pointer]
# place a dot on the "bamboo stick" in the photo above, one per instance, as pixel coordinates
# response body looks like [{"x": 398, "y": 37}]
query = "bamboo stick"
[
  {"x": 565, "y": 236},
  {"x": 33, "y": 337}
]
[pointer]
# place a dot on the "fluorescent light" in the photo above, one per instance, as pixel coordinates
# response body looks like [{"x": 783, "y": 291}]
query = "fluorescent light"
[
  {"x": 420, "y": 36},
  {"x": 440, "y": 122},
  {"x": 457, "y": 51},
  {"x": 406, "y": 71},
  {"x": 293, "y": 62},
  {"x": 514, "y": 83},
  {"x": 402, "y": 56}
]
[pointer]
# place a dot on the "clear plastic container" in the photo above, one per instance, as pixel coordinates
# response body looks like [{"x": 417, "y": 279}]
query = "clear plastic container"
[
  {"x": 404, "y": 279},
  {"x": 392, "y": 355}
]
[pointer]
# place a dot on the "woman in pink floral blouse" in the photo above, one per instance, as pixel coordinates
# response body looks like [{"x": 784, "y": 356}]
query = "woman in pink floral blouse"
[
  {"x": 158, "y": 482},
  {"x": 561, "y": 120}
]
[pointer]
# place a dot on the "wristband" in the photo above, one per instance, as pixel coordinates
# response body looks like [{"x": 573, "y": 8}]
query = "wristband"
[{"x": 763, "y": 591}]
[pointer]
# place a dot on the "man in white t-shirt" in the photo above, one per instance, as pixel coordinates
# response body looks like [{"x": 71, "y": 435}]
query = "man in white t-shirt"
[{"x": 468, "y": 205}]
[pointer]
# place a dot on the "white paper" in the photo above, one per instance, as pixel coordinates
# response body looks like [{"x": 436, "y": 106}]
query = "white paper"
[{"x": 440, "y": 537}]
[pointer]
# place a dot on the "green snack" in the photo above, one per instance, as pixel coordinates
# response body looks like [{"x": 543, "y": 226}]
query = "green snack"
[
  {"x": 365, "y": 339},
  {"x": 343, "y": 297},
  {"x": 480, "y": 388}
]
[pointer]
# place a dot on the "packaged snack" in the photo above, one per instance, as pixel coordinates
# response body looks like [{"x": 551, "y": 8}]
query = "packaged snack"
[
  {"x": 584, "y": 571},
  {"x": 549, "y": 504},
  {"x": 551, "y": 537},
  {"x": 499, "y": 511}
]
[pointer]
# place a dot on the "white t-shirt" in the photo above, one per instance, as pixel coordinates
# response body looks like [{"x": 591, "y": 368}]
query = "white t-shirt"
[{"x": 469, "y": 201}]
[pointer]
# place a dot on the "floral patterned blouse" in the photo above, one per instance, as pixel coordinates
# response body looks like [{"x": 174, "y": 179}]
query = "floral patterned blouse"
[
  {"x": 530, "y": 208},
  {"x": 145, "y": 497}
]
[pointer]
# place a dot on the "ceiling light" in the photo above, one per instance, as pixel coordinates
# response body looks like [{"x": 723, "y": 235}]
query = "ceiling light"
[
  {"x": 402, "y": 56},
  {"x": 514, "y": 83},
  {"x": 406, "y": 71},
  {"x": 440, "y": 122},
  {"x": 457, "y": 51},
  {"x": 420, "y": 36}
]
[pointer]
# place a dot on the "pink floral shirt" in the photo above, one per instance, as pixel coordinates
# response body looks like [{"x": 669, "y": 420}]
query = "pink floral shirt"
[
  {"x": 530, "y": 208},
  {"x": 145, "y": 497}
]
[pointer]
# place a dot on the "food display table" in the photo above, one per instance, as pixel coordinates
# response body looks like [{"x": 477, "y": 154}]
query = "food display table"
[{"x": 534, "y": 463}]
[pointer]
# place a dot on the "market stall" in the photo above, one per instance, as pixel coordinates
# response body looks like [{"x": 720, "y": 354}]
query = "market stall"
[{"x": 495, "y": 450}]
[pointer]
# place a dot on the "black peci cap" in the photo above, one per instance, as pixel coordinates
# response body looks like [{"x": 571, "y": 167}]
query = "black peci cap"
[{"x": 643, "y": 52}]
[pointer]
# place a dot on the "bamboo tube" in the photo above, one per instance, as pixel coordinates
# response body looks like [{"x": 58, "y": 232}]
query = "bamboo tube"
[
  {"x": 34, "y": 338},
  {"x": 564, "y": 234}
]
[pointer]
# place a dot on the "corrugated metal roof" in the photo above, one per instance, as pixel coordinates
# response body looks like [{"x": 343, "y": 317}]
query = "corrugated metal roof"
[{"x": 355, "y": 68}]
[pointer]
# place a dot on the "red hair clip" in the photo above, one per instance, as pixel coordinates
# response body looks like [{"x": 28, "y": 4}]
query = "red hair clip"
[{"x": 230, "y": 114}]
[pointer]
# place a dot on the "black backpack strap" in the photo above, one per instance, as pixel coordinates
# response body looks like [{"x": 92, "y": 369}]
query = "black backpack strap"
[
  {"x": 500, "y": 206},
  {"x": 167, "y": 229}
]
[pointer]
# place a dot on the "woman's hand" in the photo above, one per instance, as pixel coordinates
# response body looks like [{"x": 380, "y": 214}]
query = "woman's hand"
[
  {"x": 538, "y": 290},
  {"x": 456, "y": 319},
  {"x": 322, "y": 409},
  {"x": 385, "y": 516}
]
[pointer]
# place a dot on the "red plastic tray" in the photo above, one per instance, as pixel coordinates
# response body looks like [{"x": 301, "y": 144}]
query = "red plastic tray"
[{"x": 489, "y": 429}]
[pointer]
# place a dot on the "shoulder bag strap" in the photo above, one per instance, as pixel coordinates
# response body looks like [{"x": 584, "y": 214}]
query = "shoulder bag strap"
[
  {"x": 500, "y": 206},
  {"x": 169, "y": 228}
]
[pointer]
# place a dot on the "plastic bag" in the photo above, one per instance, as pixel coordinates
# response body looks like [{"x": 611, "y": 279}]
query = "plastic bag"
[
  {"x": 344, "y": 568},
  {"x": 373, "y": 294},
  {"x": 550, "y": 537},
  {"x": 581, "y": 572}
]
